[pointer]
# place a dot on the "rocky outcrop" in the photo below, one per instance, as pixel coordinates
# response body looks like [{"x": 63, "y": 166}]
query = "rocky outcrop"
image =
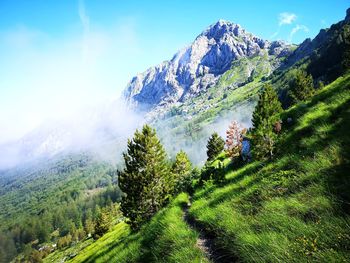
[{"x": 198, "y": 66}]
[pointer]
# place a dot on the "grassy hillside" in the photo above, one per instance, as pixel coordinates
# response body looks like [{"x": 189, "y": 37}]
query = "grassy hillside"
[
  {"x": 167, "y": 238},
  {"x": 294, "y": 208}
]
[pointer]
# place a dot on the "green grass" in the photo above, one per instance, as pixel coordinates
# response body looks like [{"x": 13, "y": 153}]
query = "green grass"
[
  {"x": 166, "y": 238},
  {"x": 68, "y": 252},
  {"x": 296, "y": 207}
]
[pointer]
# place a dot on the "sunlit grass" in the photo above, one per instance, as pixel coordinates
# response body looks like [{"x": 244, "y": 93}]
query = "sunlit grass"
[
  {"x": 294, "y": 208},
  {"x": 166, "y": 238}
]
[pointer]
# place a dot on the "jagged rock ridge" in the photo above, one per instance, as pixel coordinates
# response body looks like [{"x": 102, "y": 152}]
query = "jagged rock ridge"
[{"x": 198, "y": 66}]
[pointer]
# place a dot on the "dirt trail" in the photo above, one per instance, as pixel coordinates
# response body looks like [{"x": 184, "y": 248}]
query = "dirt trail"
[{"x": 206, "y": 240}]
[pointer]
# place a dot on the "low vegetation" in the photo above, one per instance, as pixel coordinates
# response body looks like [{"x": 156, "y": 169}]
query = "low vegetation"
[{"x": 166, "y": 238}]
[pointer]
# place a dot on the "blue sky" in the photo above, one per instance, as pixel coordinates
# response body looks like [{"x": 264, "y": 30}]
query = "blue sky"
[{"x": 58, "y": 56}]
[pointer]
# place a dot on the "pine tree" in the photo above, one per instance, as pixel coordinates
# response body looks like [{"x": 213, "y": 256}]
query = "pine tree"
[
  {"x": 146, "y": 179},
  {"x": 301, "y": 86},
  {"x": 265, "y": 117},
  {"x": 215, "y": 146},
  {"x": 103, "y": 223},
  {"x": 182, "y": 172}
]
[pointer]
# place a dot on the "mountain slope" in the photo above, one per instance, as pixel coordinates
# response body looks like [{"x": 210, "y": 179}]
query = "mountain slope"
[
  {"x": 198, "y": 67},
  {"x": 166, "y": 238},
  {"x": 187, "y": 124},
  {"x": 294, "y": 208},
  {"x": 326, "y": 51}
]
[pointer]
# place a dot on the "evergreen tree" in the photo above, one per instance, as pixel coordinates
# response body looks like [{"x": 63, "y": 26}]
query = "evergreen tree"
[
  {"x": 146, "y": 179},
  {"x": 182, "y": 172},
  {"x": 265, "y": 117},
  {"x": 103, "y": 224},
  {"x": 301, "y": 86},
  {"x": 215, "y": 146}
]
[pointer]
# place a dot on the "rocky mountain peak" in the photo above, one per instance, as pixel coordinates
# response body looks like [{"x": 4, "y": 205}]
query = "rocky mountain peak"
[
  {"x": 222, "y": 27},
  {"x": 198, "y": 66}
]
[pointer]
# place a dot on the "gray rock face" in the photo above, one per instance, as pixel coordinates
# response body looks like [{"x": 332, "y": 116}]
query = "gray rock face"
[{"x": 198, "y": 66}]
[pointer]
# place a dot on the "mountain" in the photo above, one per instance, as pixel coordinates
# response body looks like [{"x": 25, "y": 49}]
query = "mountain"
[
  {"x": 326, "y": 54},
  {"x": 261, "y": 212},
  {"x": 199, "y": 66},
  {"x": 216, "y": 79}
]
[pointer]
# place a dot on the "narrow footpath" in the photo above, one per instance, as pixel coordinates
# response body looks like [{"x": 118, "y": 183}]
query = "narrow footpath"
[{"x": 206, "y": 240}]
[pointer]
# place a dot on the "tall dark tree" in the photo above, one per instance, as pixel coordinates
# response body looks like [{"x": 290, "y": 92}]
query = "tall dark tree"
[
  {"x": 215, "y": 146},
  {"x": 146, "y": 179},
  {"x": 103, "y": 223},
  {"x": 265, "y": 117},
  {"x": 182, "y": 169},
  {"x": 301, "y": 86}
]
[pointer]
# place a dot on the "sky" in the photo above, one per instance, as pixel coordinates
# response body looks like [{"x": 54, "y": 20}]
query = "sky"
[{"x": 57, "y": 57}]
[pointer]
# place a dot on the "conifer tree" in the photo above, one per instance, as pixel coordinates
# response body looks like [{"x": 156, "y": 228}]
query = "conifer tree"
[
  {"x": 301, "y": 86},
  {"x": 146, "y": 179},
  {"x": 215, "y": 146},
  {"x": 182, "y": 172},
  {"x": 265, "y": 117},
  {"x": 103, "y": 223}
]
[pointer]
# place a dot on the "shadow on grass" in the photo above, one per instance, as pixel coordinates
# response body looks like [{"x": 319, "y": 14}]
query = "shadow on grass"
[
  {"x": 105, "y": 253},
  {"x": 214, "y": 250}
]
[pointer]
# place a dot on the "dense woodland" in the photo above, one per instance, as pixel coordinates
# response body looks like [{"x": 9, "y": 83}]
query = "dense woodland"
[{"x": 57, "y": 205}]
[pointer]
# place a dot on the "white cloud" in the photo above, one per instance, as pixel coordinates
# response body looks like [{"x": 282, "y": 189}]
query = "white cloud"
[
  {"x": 286, "y": 18},
  {"x": 296, "y": 29}
]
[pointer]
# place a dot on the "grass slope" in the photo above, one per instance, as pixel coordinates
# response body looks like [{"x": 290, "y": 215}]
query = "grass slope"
[
  {"x": 292, "y": 209},
  {"x": 295, "y": 208},
  {"x": 166, "y": 238}
]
